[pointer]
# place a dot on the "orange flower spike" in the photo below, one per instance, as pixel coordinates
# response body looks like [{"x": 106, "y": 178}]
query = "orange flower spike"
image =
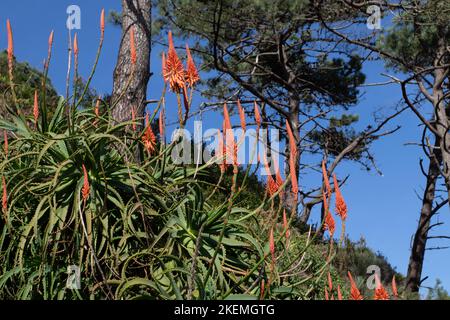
[
  {"x": 132, "y": 46},
  {"x": 242, "y": 116},
  {"x": 5, "y": 195},
  {"x": 36, "y": 107},
  {"x": 325, "y": 179},
  {"x": 330, "y": 282},
  {"x": 50, "y": 41},
  {"x": 293, "y": 174},
  {"x": 279, "y": 179},
  {"x": 75, "y": 47},
  {"x": 192, "y": 76},
  {"x": 149, "y": 138},
  {"x": 97, "y": 107},
  {"x": 226, "y": 117},
  {"x": 227, "y": 131},
  {"x": 394, "y": 287},
  {"x": 10, "y": 49},
  {"x": 380, "y": 291},
  {"x": 329, "y": 223},
  {"x": 257, "y": 116},
  {"x": 5, "y": 140},
  {"x": 220, "y": 152},
  {"x": 272, "y": 245},
  {"x": 354, "y": 292},
  {"x": 272, "y": 187},
  {"x": 339, "y": 293},
  {"x": 102, "y": 22},
  {"x": 86, "y": 188},
  {"x": 341, "y": 206},
  {"x": 292, "y": 143},
  {"x": 292, "y": 156},
  {"x": 173, "y": 71}
]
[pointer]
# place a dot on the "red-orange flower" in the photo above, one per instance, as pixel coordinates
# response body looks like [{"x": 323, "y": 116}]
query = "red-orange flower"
[
  {"x": 36, "y": 107},
  {"x": 149, "y": 138},
  {"x": 341, "y": 207},
  {"x": 132, "y": 46},
  {"x": 97, "y": 107},
  {"x": 329, "y": 223},
  {"x": 50, "y": 40},
  {"x": 192, "y": 76},
  {"x": 330, "y": 282},
  {"x": 86, "y": 188},
  {"x": 10, "y": 49},
  {"x": 354, "y": 292},
  {"x": 292, "y": 142},
  {"x": 292, "y": 156},
  {"x": 5, "y": 195},
  {"x": 279, "y": 181},
  {"x": 272, "y": 245},
  {"x": 325, "y": 179},
  {"x": 75, "y": 47},
  {"x": 241, "y": 116},
  {"x": 394, "y": 287},
  {"x": 173, "y": 71},
  {"x": 339, "y": 293},
  {"x": 380, "y": 291},
  {"x": 221, "y": 152},
  {"x": 230, "y": 144},
  {"x": 102, "y": 22},
  {"x": 257, "y": 116},
  {"x": 272, "y": 185}
]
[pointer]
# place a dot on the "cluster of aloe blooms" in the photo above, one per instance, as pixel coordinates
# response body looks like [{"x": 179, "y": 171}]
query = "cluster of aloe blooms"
[
  {"x": 380, "y": 292},
  {"x": 340, "y": 205},
  {"x": 179, "y": 80}
]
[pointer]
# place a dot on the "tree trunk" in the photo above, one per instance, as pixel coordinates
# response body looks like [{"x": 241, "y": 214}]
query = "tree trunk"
[
  {"x": 417, "y": 257},
  {"x": 136, "y": 13},
  {"x": 442, "y": 120}
]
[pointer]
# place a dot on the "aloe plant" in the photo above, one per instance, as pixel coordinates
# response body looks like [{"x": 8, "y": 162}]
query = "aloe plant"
[{"x": 75, "y": 194}]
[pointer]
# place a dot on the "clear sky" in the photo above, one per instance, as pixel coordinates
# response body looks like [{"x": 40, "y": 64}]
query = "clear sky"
[{"x": 382, "y": 209}]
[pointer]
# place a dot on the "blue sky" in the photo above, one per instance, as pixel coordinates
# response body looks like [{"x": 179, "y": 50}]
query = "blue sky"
[{"x": 382, "y": 209}]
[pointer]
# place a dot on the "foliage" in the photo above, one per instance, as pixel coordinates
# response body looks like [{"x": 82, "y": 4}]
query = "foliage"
[
  {"x": 26, "y": 80},
  {"x": 437, "y": 292},
  {"x": 414, "y": 36}
]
